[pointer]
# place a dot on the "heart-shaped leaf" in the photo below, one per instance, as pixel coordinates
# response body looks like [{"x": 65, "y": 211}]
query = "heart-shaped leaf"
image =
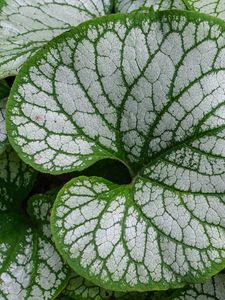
[
  {"x": 39, "y": 208},
  {"x": 149, "y": 91},
  {"x": 4, "y": 92},
  {"x": 212, "y": 7},
  {"x": 16, "y": 180},
  {"x": 30, "y": 266},
  {"x": 214, "y": 289},
  {"x": 131, "y": 5},
  {"x": 26, "y": 25},
  {"x": 82, "y": 289}
]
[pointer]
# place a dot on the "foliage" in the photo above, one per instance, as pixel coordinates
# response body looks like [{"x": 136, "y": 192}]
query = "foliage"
[{"x": 112, "y": 138}]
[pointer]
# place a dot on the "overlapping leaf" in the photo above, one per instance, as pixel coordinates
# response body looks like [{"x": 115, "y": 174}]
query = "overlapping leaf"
[
  {"x": 30, "y": 266},
  {"x": 212, "y": 7},
  {"x": 39, "y": 208},
  {"x": 27, "y": 25},
  {"x": 16, "y": 180},
  {"x": 131, "y": 5},
  {"x": 82, "y": 289},
  {"x": 214, "y": 289},
  {"x": 4, "y": 92},
  {"x": 149, "y": 91}
]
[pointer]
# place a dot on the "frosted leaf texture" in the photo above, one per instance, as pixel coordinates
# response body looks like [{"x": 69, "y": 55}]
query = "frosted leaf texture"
[
  {"x": 16, "y": 180},
  {"x": 81, "y": 289},
  {"x": 4, "y": 92},
  {"x": 212, "y": 7},
  {"x": 26, "y": 25},
  {"x": 30, "y": 267},
  {"x": 131, "y": 5},
  {"x": 214, "y": 289},
  {"x": 148, "y": 90}
]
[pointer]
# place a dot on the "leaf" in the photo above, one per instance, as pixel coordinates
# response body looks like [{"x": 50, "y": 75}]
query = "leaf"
[
  {"x": 212, "y": 7},
  {"x": 16, "y": 180},
  {"x": 39, "y": 209},
  {"x": 149, "y": 91},
  {"x": 26, "y": 25},
  {"x": 4, "y": 92},
  {"x": 131, "y": 5},
  {"x": 3, "y": 133},
  {"x": 82, "y": 289},
  {"x": 106, "y": 235},
  {"x": 214, "y": 289},
  {"x": 30, "y": 266}
]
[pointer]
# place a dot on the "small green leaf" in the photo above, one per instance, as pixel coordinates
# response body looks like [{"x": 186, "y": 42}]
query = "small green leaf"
[
  {"x": 149, "y": 91},
  {"x": 4, "y": 92},
  {"x": 82, "y": 289},
  {"x": 131, "y": 5},
  {"x": 16, "y": 180},
  {"x": 30, "y": 266},
  {"x": 39, "y": 209},
  {"x": 214, "y": 289},
  {"x": 212, "y": 7},
  {"x": 26, "y": 25}
]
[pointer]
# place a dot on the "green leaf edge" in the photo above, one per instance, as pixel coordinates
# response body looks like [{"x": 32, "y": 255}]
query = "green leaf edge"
[
  {"x": 8, "y": 73},
  {"x": 4, "y": 93},
  {"x": 160, "y": 286},
  {"x": 24, "y": 192},
  {"x": 3, "y": 3},
  {"x": 35, "y": 225},
  {"x": 153, "y": 16},
  {"x": 188, "y": 5},
  {"x": 112, "y": 10},
  {"x": 25, "y": 223},
  {"x": 122, "y": 296},
  {"x": 185, "y": 2},
  {"x": 190, "y": 15}
]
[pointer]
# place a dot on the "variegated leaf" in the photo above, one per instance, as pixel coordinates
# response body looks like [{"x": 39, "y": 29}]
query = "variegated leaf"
[
  {"x": 148, "y": 90},
  {"x": 30, "y": 267},
  {"x": 131, "y": 5},
  {"x": 4, "y": 92},
  {"x": 26, "y": 25},
  {"x": 213, "y": 289},
  {"x": 16, "y": 180}
]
